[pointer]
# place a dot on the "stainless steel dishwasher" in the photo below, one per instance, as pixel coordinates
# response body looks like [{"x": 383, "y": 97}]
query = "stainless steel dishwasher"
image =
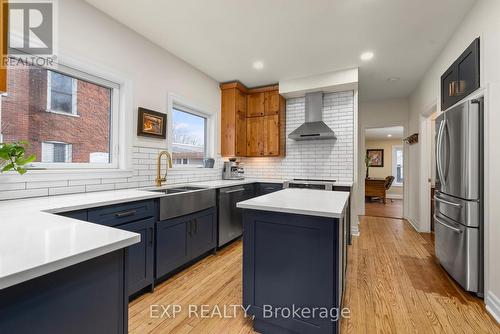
[{"x": 231, "y": 217}]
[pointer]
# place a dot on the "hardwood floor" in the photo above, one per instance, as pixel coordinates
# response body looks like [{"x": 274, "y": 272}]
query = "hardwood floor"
[
  {"x": 394, "y": 285},
  {"x": 392, "y": 209}
]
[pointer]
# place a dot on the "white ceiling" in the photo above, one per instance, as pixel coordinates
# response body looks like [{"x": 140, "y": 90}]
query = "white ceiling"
[
  {"x": 396, "y": 132},
  {"x": 297, "y": 38}
]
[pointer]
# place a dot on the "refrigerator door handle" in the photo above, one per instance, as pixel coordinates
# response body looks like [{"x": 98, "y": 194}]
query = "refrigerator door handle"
[
  {"x": 438, "y": 151},
  {"x": 454, "y": 229},
  {"x": 447, "y": 202}
]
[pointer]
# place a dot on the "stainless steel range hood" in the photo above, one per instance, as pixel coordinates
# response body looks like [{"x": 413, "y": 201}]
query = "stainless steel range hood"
[{"x": 314, "y": 127}]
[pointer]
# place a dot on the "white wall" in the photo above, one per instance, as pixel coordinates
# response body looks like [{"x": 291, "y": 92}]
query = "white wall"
[
  {"x": 483, "y": 20},
  {"x": 379, "y": 114},
  {"x": 91, "y": 39}
]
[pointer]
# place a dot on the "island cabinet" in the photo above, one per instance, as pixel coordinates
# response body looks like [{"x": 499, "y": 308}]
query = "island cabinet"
[
  {"x": 138, "y": 217},
  {"x": 254, "y": 129},
  {"x": 183, "y": 239},
  {"x": 292, "y": 261},
  {"x": 88, "y": 297}
]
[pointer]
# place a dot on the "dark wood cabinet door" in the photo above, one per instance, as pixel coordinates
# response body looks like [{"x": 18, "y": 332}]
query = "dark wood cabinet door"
[
  {"x": 467, "y": 68},
  {"x": 462, "y": 78},
  {"x": 272, "y": 103},
  {"x": 202, "y": 235},
  {"x": 171, "y": 244},
  {"x": 448, "y": 82},
  {"x": 140, "y": 255},
  {"x": 256, "y": 104},
  {"x": 271, "y": 135},
  {"x": 255, "y": 136}
]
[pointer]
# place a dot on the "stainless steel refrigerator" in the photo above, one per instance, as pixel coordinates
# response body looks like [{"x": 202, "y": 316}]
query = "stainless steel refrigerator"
[{"x": 459, "y": 193}]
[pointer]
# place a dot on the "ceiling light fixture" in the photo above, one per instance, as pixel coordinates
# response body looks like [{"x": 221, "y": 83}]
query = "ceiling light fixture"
[
  {"x": 258, "y": 65},
  {"x": 366, "y": 56},
  {"x": 389, "y": 135},
  {"x": 393, "y": 79}
]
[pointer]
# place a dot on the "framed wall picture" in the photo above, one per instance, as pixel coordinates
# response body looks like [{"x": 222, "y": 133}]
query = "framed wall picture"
[
  {"x": 376, "y": 157},
  {"x": 151, "y": 124}
]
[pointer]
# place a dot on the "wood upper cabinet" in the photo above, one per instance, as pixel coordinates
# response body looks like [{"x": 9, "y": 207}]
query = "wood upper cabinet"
[
  {"x": 233, "y": 122},
  {"x": 256, "y": 104},
  {"x": 271, "y": 135},
  {"x": 3, "y": 44},
  {"x": 272, "y": 103},
  {"x": 255, "y": 136},
  {"x": 252, "y": 122}
]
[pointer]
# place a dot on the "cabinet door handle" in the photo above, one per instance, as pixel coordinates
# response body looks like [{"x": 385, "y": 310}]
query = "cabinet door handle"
[
  {"x": 125, "y": 214},
  {"x": 190, "y": 229},
  {"x": 195, "y": 222}
]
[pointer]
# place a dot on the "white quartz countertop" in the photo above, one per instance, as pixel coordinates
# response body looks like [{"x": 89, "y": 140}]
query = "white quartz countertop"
[
  {"x": 34, "y": 241},
  {"x": 309, "y": 202}
]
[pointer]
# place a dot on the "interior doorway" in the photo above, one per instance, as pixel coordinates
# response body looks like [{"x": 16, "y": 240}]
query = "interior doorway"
[{"x": 384, "y": 163}]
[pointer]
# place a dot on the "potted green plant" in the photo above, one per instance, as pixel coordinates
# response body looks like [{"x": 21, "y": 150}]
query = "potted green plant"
[
  {"x": 367, "y": 164},
  {"x": 13, "y": 157}
]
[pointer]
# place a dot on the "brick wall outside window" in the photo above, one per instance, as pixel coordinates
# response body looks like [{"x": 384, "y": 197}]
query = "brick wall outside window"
[{"x": 24, "y": 115}]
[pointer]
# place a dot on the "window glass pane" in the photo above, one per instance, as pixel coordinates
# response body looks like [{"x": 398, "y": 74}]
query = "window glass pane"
[
  {"x": 24, "y": 116},
  {"x": 188, "y": 142},
  {"x": 61, "y": 102},
  {"x": 61, "y": 83}
]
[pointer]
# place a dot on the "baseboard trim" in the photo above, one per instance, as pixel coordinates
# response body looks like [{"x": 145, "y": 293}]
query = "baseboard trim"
[
  {"x": 412, "y": 223},
  {"x": 493, "y": 305},
  {"x": 394, "y": 196},
  {"x": 355, "y": 229}
]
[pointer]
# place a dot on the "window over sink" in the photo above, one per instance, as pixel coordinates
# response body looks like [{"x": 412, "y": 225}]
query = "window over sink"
[{"x": 189, "y": 137}]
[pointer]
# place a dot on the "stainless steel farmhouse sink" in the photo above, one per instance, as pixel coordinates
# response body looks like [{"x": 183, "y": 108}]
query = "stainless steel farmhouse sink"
[{"x": 185, "y": 200}]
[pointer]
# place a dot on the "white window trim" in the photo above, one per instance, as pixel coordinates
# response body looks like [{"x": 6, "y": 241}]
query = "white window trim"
[
  {"x": 74, "y": 97},
  {"x": 121, "y": 143},
  {"x": 394, "y": 165},
  {"x": 177, "y": 102}
]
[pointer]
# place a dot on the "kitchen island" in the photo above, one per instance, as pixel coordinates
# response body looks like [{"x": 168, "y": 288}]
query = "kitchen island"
[{"x": 294, "y": 260}]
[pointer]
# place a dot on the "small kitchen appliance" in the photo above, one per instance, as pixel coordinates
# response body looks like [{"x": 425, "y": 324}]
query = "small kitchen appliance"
[{"x": 232, "y": 170}]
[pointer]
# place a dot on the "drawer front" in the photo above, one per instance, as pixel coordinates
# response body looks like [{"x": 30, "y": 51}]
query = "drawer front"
[
  {"x": 267, "y": 188},
  {"x": 121, "y": 214}
]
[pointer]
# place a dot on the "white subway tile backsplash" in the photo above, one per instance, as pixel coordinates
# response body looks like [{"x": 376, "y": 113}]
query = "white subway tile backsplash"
[
  {"x": 66, "y": 190},
  {"x": 99, "y": 187},
  {"x": 13, "y": 186},
  {"x": 46, "y": 184},
  {"x": 315, "y": 158},
  {"x": 14, "y": 194}
]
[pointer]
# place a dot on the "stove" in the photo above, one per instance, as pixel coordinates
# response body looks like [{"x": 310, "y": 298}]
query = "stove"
[{"x": 310, "y": 184}]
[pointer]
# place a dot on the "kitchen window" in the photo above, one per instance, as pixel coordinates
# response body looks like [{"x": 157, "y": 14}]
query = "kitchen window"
[
  {"x": 68, "y": 117},
  {"x": 397, "y": 165},
  {"x": 189, "y": 137}
]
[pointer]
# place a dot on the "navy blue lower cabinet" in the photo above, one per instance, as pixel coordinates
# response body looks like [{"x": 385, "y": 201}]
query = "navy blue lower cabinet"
[
  {"x": 171, "y": 244},
  {"x": 267, "y": 188},
  {"x": 140, "y": 255},
  {"x": 202, "y": 236},
  {"x": 291, "y": 261},
  {"x": 80, "y": 215},
  {"x": 180, "y": 240},
  {"x": 88, "y": 297}
]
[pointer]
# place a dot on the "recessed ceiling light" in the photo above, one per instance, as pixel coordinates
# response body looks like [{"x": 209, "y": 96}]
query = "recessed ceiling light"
[
  {"x": 258, "y": 65},
  {"x": 393, "y": 79},
  {"x": 365, "y": 56},
  {"x": 389, "y": 136}
]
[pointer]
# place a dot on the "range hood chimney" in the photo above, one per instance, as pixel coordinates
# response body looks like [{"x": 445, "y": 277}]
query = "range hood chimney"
[{"x": 314, "y": 127}]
